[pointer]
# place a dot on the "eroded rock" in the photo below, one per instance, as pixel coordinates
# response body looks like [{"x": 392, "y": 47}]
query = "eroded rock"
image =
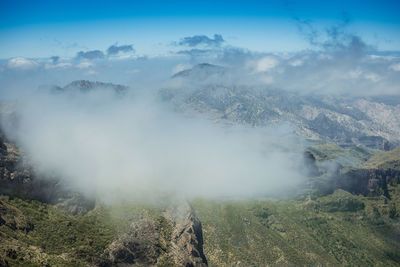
[{"x": 174, "y": 238}]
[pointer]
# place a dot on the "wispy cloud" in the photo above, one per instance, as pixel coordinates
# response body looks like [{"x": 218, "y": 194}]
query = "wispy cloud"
[
  {"x": 395, "y": 67},
  {"x": 115, "y": 49},
  {"x": 55, "y": 59},
  {"x": 93, "y": 54},
  {"x": 21, "y": 63},
  {"x": 198, "y": 40}
]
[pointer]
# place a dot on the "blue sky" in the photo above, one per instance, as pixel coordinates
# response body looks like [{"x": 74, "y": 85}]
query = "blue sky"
[{"x": 47, "y": 28}]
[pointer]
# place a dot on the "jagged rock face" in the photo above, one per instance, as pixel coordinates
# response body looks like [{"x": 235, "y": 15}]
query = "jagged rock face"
[
  {"x": 369, "y": 182},
  {"x": 173, "y": 239},
  {"x": 187, "y": 236}
]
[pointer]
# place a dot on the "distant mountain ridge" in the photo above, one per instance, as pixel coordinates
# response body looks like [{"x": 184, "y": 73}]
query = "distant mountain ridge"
[
  {"x": 200, "y": 71},
  {"x": 343, "y": 120},
  {"x": 87, "y": 86}
]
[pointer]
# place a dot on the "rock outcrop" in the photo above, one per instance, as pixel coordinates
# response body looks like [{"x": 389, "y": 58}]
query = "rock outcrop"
[
  {"x": 187, "y": 236},
  {"x": 368, "y": 182},
  {"x": 173, "y": 239}
]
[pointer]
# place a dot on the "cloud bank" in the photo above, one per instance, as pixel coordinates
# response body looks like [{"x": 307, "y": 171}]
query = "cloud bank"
[
  {"x": 20, "y": 63},
  {"x": 109, "y": 147}
]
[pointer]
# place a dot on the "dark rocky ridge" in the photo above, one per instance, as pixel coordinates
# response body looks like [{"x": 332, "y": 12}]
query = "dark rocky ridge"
[{"x": 85, "y": 86}]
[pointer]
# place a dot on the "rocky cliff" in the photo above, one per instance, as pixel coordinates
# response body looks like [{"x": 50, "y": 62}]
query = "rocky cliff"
[
  {"x": 362, "y": 173},
  {"x": 173, "y": 239}
]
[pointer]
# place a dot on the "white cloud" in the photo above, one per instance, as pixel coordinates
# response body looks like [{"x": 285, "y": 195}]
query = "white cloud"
[
  {"x": 389, "y": 58},
  {"x": 102, "y": 144},
  {"x": 373, "y": 77},
  {"x": 180, "y": 67},
  {"x": 296, "y": 63},
  {"x": 121, "y": 57},
  {"x": 267, "y": 79},
  {"x": 354, "y": 74},
  {"x": 21, "y": 63},
  {"x": 91, "y": 72},
  {"x": 132, "y": 71},
  {"x": 395, "y": 67},
  {"x": 266, "y": 64},
  {"x": 62, "y": 65},
  {"x": 85, "y": 65}
]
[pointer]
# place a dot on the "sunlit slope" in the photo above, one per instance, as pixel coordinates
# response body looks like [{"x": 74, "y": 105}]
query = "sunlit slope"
[
  {"x": 352, "y": 156},
  {"x": 35, "y": 234},
  {"x": 388, "y": 159},
  {"x": 319, "y": 228},
  {"x": 336, "y": 229}
]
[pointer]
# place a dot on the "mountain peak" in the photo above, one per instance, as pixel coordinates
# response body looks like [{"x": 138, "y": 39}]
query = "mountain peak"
[
  {"x": 200, "y": 71},
  {"x": 85, "y": 86}
]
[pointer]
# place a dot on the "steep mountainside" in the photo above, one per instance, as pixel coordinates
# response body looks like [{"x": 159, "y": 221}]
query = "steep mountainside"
[
  {"x": 337, "y": 229},
  {"x": 327, "y": 226}
]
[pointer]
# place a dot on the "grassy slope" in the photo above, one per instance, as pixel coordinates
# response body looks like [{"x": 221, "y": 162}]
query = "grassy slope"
[
  {"x": 335, "y": 229},
  {"x": 353, "y": 156},
  {"x": 338, "y": 228},
  {"x": 60, "y": 239},
  {"x": 384, "y": 158}
]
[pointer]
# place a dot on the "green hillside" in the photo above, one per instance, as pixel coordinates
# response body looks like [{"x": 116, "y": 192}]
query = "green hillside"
[
  {"x": 38, "y": 234},
  {"x": 316, "y": 228},
  {"x": 353, "y": 156},
  {"x": 338, "y": 229},
  {"x": 385, "y": 159}
]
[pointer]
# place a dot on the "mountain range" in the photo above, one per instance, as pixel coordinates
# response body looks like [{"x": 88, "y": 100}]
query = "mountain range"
[{"x": 346, "y": 213}]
